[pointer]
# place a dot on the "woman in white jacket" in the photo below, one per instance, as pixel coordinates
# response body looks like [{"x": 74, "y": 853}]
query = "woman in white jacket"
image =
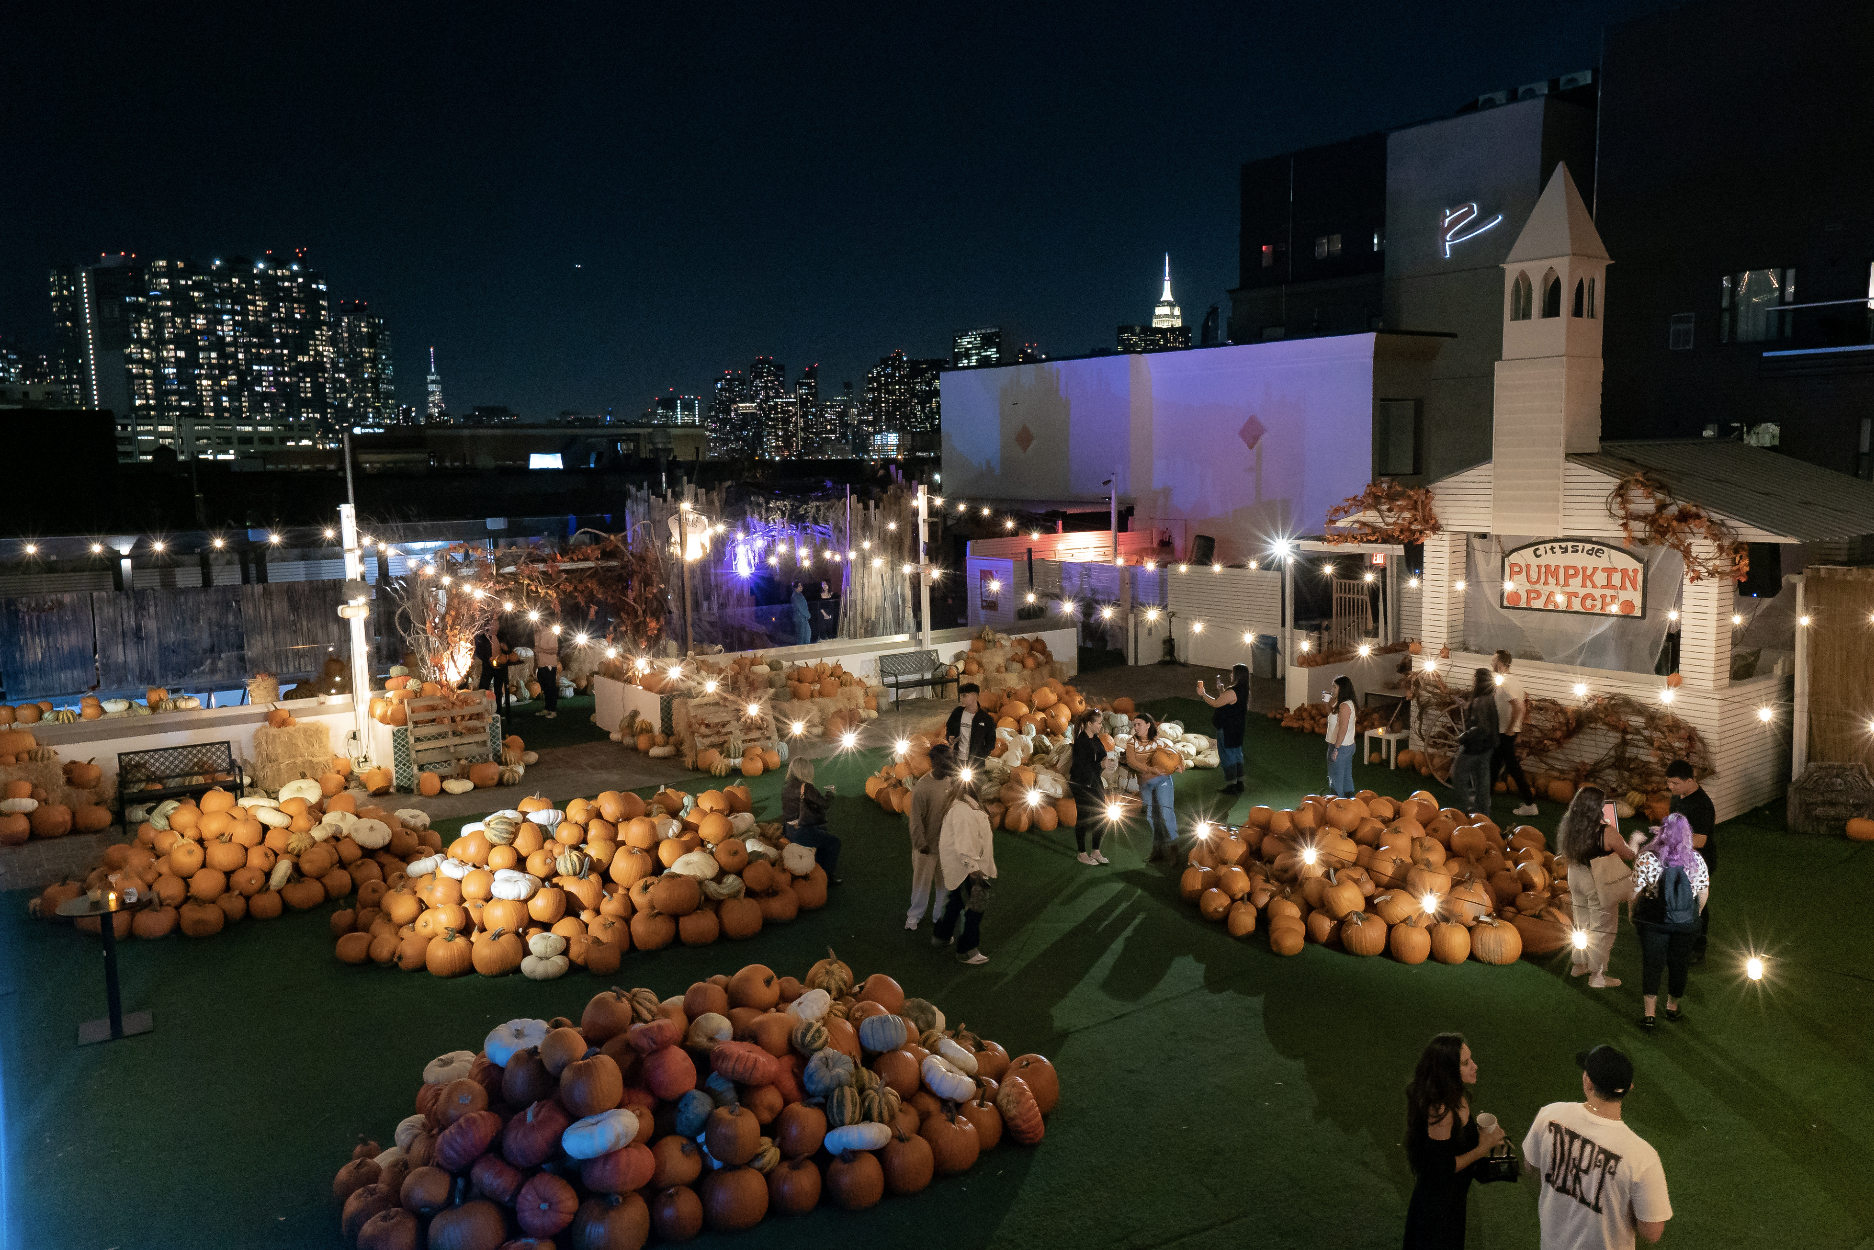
[{"x": 966, "y": 851}]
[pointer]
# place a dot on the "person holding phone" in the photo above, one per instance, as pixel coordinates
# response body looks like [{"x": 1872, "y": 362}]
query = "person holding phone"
[
  {"x": 1599, "y": 878},
  {"x": 1230, "y": 719},
  {"x": 1340, "y": 736}
]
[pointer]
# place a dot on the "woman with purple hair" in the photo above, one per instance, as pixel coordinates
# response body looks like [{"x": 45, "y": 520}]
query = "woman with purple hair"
[{"x": 1673, "y": 887}]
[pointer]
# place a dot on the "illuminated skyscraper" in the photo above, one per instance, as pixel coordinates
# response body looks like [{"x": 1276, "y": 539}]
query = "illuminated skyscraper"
[
  {"x": 674, "y": 409},
  {"x": 731, "y": 434},
  {"x": 1166, "y": 313},
  {"x": 362, "y": 389},
  {"x": 977, "y": 347},
  {"x": 1167, "y": 331},
  {"x": 435, "y": 413}
]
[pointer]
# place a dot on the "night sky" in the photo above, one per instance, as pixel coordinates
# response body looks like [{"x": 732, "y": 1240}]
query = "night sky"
[{"x": 581, "y": 206}]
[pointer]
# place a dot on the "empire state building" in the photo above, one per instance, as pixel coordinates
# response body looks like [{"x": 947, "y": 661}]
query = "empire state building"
[
  {"x": 1167, "y": 331},
  {"x": 1166, "y": 314}
]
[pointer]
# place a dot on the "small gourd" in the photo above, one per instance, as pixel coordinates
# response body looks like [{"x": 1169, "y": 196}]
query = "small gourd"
[
  {"x": 538, "y": 968},
  {"x": 599, "y": 1134},
  {"x": 945, "y": 1081},
  {"x": 857, "y": 1137}
]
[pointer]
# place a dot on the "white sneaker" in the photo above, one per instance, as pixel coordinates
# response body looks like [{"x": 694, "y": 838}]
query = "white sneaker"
[
  {"x": 1101, "y": 857},
  {"x": 1527, "y": 809},
  {"x": 1085, "y": 858},
  {"x": 911, "y": 924},
  {"x": 977, "y": 958}
]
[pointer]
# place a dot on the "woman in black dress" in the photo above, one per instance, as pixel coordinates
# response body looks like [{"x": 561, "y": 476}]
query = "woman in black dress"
[
  {"x": 1442, "y": 1142},
  {"x": 1088, "y": 787}
]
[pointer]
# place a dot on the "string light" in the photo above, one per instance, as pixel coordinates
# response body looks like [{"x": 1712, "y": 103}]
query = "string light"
[
  {"x": 849, "y": 739},
  {"x": 1151, "y": 614},
  {"x": 798, "y": 728},
  {"x": 97, "y": 549},
  {"x": 1305, "y": 644},
  {"x": 1365, "y": 650},
  {"x": 1151, "y": 566},
  {"x": 1218, "y": 568},
  {"x": 1033, "y": 797},
  {"x": 611, "y": 653},
  {"x": 1672, "y": 614},
  {"x": 1579, "y": 939},
  {"x": 1665, "y": 696},
  {"x": 326, "y": 533},
  {"x": 1031, "y": 596},
  {"x": 877, "y": 561},
  {"x": 32, "y": 549},
  {"x": 1184, "y": 568},
  {"x": 709, "y": 687},
  {"x": 556, "y": 631},
  {"x": 1581, "y": 690},
  {"x": 1309, "y": 855},
  {"x": 1431, "y": 666},
  {"x": 754, "y": 709},
  {"x": 966, "y": 775},
  {"x": 907, "y": 568},
  {"x": 507, "y": 605},
  {"x": 1202, "y": 829},
  {"x": 1413, "y": 582},
  {"x": 1753, "y": 967},
  {"x": 1249, "y": 640},
  {"x": 1197, "y": 627},
  {"x": 994, "y": 585},
  {"x": 158, "y": 545},
  {"x": 1737, "y": 618},
  {"x": 1106, "y": 614},
  {"x": 1803, "y": 621},
  {"x": 1460, "y": 583},
  {"x": 219, "y": 543},
  {"x": 1766, "y": 715},
  {"x": 275, "y": 539},
  {"x": 533, "y": 616},
  {"x": 1429, "y": 904},
  {"x": 1366, "y": 577},
  {"x": 1112, "y": 811}
]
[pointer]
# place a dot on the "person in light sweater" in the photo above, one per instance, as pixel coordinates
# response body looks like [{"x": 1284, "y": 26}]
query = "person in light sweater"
[{"x": 966, "y": 851}]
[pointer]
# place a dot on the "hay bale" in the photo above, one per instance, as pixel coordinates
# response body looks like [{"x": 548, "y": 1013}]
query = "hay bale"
[
  {"x": 290, "y": 753},
  {"x": 263, "y": 688}
]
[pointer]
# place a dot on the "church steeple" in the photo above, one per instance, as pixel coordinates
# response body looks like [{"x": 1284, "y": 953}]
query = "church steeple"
[
  {"x": 1548, "y": 384},
  {"x": 1166, "y": 312}
]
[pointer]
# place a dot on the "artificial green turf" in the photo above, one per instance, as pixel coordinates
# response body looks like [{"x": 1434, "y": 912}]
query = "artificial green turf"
[
  {"x": 1214, "y": 1094},
  {"x": 570, "y": 727}
]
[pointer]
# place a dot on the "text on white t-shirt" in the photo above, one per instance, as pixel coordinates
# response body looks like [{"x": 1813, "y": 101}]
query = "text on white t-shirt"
[{"x": 1598, "y": 1178}]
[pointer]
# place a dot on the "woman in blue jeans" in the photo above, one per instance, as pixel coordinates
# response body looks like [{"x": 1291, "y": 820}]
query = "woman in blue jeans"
[
  {"x": 1340, "y": 738},
  {"x": 1154, "y": 786}
]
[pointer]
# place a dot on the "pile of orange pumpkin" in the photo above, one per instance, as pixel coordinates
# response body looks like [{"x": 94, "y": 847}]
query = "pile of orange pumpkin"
[
  {"x": 745, "y": 1097},
  {"x": 1371, "y": 874},
  {"x": 27, "y": 812},
  {"x": 398, "y": 690},
  {"x": 215, "y": 862},
  {"x": 540, "y": 890}
]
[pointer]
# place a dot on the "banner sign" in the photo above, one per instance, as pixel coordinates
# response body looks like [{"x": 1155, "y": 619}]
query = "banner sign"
[{"x": 1592, "y": 578}]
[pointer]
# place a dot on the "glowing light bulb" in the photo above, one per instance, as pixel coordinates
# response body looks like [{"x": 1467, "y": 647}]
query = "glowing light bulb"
[
  {"x": 1366, "y": 577},
  {"x": 966, "y": 775},
  {"x": 97, "y": 549},
  {"x": 219, "y": 543},
  {"x": 1803, "y": 621},
  {"x": 478, "y": 593},
  {"x": 1151, "y": 614},
  {"x": 1008, "y": 525},
  {"x": 907, "y": 568},
  {"x": 709, "y": 687},
  {"x": 1112, "y": 811},
  {"x": 1429, "y": 903},
  {"x": 1197, "y": 627},
  {"x": 1031, "y": 596},
  {"x": 985, "y": 512},
  {"x": 1202, "y": 829},
  {"x": 798, "y": 728},
  {"x": 1150, "y": 565},
  {"x": 900, "y": 746},
  {"x": 1309, "y": 855},
  {"x": 1737, "y": 618},
  {"x": 1306, "y": 645},
  {"x": 642, "y": 665},
  {"x": 1672, "y": 614},
  {"x": 32, "y": 549},
  {"x": 507, "y": 605},
  {"x": 1581, "y": 689},
  {"x": 1431, "y": 666},
  {"x": 1034, "y": 798},
  {"x": 937, "y": 575},
  {"x": 556, "y": 631},
  {"x": 158, "y": 545},
  {"x": 533, "y": 616},
  {"x": 1497, "y": 678},
  {"x": 1249, "y": 640},
  {"x": 275, "y": 539},
  {"x": 1365, "y": 650},
  {"x": 892, "y": 526},
  {"x": 1665, "y": 696},
  {"x": 1184, "y": 568},
  {"x": 327, "y": 532},
  {"x": 754, "y": 709},
  {"x": 1066, "y": 607},
  {"x": 611, "y": 653},
  {"x": 1579, "y": 939},
  {"x": 1508, "y": 584},
  {"x": 1753, "y": 968},
  {"x": 848, "y": 739},
  {"x": 1119, "y": 561},
  {"x": 877, "y": 561},
  {"x": 1765, "y": 715},
  {"x": 1413, "y": 582},
  {"x": 1460, "y": 583},
  {"x": 1106, "y": 614}
]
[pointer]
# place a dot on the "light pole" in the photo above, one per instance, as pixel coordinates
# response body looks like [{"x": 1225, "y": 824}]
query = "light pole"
[{"x": 923, "y": 559}]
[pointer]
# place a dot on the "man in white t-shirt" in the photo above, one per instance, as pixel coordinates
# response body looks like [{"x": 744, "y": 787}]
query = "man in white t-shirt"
[
  {"x": 1512, "y": 709},
  {"x": 1601, "y": 1182}
]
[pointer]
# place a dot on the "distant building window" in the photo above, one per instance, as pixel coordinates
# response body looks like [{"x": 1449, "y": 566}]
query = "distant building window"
[
  {"x": 1333, "y": 245},
  {"x": 1268, "y": 256},
  {"x": 1551, "y": 295},
  {"x": 1522, "y": 298},
  {"x": 1320, "y": 248},
  {"x": 1379, "y": 244},
  {"x": 1679, "y": 337},
  {"x": 1752, "y": 307}
]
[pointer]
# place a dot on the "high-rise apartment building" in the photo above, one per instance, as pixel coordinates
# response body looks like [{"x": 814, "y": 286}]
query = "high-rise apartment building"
[
  {"x": 926, "y": 401},
  {"x": 902, "y": 397},
  {"x": 1167, "y": 331},
  {"x": 91, "y": 310},
  {"x": 807, "y": 404},
  {"x": 731, "y": 434},
  {"x": 675, "y": 409},
  {"x": 436, "y": 412},
  {"x": 363, "y": 391},
  {"x": 977, "y": 347}
]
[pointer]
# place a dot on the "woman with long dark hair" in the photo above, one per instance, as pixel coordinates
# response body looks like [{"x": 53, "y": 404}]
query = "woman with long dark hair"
[
  {"x": 1666, "y": 911},
  {"x": 1588, "y": 834},
  {"x": 1342, "y": 713},
  {"x": 1085, "y": 783},
  {"x": 1229, "y": 720},
  {"x": 1155, "y": 791},
  {"x": 1470, "y": 772},
  {"x": 1442, "y": 1142}
]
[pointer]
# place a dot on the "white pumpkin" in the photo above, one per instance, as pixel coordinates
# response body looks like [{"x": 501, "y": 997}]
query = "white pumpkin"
[
  {"x": 858, "y": 1137},
  {"x": 700, "y": 864},
  {"x": 473, "y": 826},
  {"x": 114, "y": 707},
  {"x": 425, "y": 866},
  {"x": 458, "y": 785},
  {"x": 408, "y": 1128},
  {"x": 812, "y": 1005},
  {"x": 533, "y": 757},
  {"x": 707, "y": 1030},
  {"x": 545, "y": 945},
  {"x": 272, "y": 817},
  {"x": 387, "y": 1157},
  {"x": 757, "y": 849},
  {"x": 301, "y": 789},
  {"x": 450, "y": 1067},
  {"x": 136, "y": 814},
  {"x": 667, "y": 827},
  {"x": 370, "y": 834},
  {"x": 282, "y": 874},
  {"x": 505, "y": 1040},
  {"x": 797, "y": 859},
  {"x": 343, "y": 821},
  {"x": 18, "y": 806},
  {"x": 544, "y": 968},
  {"x": 945, "y": 1081},
  {"x": 547, "y": 817},
  {"x": 454, "y": 869},
  {"x": 160, "y": 817},
  {"x": 603, "y": 1133},
  {"x": 953, "y": 1053},
  {"x": 512, "y": 813},
  {"x": 728, "y": 885},
  {"x": 255, "y": 800},
  {"x": 741, "y": 822},
  {"x": 514, "y": 885},
  {"x": 412, "y": 818},
  {"x": 662, "y": 753}
]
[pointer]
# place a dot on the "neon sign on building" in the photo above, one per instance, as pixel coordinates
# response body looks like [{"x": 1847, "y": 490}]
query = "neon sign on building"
[{"x": 1460, "y": 225}]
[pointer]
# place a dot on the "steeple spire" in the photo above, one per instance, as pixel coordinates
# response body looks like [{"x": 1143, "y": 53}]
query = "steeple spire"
[{"x": 1166, "y": 297}]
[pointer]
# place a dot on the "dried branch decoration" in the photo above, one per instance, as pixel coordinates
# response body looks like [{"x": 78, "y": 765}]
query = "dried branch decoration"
[
  {"x": 1385, "y": 512},
  {"x": 1645, "y": 506}
]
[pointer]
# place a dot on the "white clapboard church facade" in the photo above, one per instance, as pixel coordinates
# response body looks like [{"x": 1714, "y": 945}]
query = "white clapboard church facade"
[{"x": 1529, "y": 534}]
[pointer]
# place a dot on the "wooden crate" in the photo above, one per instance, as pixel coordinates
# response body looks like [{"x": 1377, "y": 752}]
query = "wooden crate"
[{"x": 444, "y": 732}]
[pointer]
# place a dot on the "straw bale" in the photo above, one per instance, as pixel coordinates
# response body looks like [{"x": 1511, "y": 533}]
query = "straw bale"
[
  {"x": 263, "y": 688},
  {"x": 291, "y": 752}
]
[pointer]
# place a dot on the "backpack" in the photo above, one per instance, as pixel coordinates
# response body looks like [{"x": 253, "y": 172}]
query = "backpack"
[{"x": 1670, "y": 902}]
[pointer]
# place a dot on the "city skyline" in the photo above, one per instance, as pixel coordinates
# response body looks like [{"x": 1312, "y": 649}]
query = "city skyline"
[{"x": 572, "y": 241}]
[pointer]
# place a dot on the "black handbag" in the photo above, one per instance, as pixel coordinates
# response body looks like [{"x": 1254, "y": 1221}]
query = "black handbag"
[{"x": 1498, "y": 1167}]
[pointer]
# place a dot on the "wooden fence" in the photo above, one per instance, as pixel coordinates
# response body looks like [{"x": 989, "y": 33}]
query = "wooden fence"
[{"x": 182, "y": 638}]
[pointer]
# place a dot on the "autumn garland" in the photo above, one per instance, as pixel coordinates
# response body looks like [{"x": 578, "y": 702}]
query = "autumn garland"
[
  {"x": 1404, "y": 515},
  {"x": 1644, "y": 505}
]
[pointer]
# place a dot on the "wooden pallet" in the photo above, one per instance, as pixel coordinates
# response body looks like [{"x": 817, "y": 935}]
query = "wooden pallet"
[{"x": 444, "y": 732}]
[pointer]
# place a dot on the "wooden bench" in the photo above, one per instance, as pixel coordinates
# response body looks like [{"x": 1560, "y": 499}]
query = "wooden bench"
[
  {"x": 910, "y": 670},
  {"x": 172, "y": 772}
]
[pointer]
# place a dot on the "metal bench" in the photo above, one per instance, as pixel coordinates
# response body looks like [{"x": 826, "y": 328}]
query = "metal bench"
[
  {"x": 171, "y": 772},
  {"x": 910, "y": 670}
]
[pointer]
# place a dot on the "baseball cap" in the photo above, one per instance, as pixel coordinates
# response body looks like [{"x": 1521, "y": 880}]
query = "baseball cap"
[{"x": 1609, "y": 1069}]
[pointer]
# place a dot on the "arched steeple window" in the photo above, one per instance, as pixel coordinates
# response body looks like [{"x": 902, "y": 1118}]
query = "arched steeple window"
[
  {"x": 1581, "y": 296},
  {"x": 1522, "y": 298},
  {"x": 1551, "y": 295},
  {"x": 1591, "y": 299}
]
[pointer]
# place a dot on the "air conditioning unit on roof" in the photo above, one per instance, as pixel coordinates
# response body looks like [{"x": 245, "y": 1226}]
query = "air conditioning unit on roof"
[
  {"x": 1530, "y": 90},
  {"x": 1493, "y": 99},
  {"x": 1571, "y": 81}
]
